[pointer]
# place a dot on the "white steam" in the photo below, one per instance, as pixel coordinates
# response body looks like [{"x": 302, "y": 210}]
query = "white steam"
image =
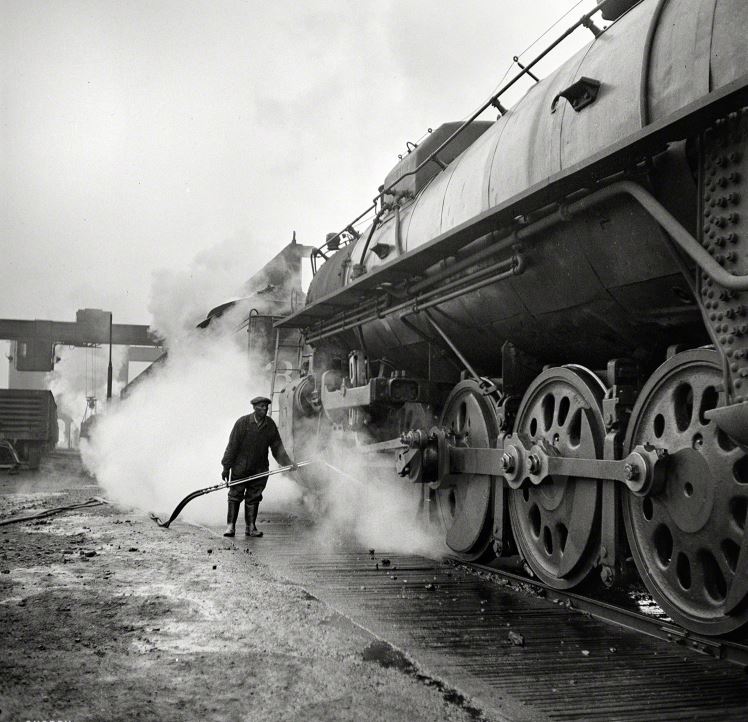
[
  {"x": 361, "y": 499},
  {"x": 81, "y": 373},
  {"x": 180, "y": 299},
  {"x": 167, "y": 437},
  {"x": 379, "y": 511}
]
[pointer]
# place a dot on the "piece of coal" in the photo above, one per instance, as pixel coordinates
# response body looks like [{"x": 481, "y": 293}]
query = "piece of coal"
[{"x": 516, "y": 639}]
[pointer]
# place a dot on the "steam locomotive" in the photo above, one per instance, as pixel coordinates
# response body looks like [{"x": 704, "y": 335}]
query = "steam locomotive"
[{"x": 545, "y": 322}]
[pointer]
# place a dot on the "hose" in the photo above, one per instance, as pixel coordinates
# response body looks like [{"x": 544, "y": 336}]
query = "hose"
[
  {"x": 207, "y": 490},
  {"x": 339, "y": 471},
  {"x": 56, "y": 510}
]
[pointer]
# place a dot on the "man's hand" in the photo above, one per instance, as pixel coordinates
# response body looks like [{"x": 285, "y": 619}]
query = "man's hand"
[
  {"x": 294, "y": 466},
  {"x": 225, "y": 474}
]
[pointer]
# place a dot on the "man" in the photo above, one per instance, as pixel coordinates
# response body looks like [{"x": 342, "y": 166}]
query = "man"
[{"x": 246, "y": 455}]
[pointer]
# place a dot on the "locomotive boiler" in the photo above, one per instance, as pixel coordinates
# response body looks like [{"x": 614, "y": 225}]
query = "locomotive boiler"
[{"x": 545, "y": 322}]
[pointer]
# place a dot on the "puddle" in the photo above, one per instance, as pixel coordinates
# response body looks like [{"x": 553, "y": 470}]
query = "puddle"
[{"x": 387, "y": 656}]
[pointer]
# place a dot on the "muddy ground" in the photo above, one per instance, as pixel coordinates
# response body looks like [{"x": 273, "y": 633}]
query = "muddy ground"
[{"x": 104, "y": 616}]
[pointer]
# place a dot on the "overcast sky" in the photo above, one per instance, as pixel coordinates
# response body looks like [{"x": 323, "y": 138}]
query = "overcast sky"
[{"x": 138, "y": 134}]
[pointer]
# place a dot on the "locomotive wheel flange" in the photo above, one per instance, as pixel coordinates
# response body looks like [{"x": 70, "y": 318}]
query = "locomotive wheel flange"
[
  {"x": 465, "y": 501},
  {"x": 687, "y": 539},
  {"x": 556, "y": 524}
]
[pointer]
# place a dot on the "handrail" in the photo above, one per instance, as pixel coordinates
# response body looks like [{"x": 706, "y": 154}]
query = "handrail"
[
  {"x": 564, "y": 212},
  {"x": 494, "y": 101}
]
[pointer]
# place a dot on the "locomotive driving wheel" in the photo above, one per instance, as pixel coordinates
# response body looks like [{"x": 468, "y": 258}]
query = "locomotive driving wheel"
[
  {"x": 556, "y": 524},
  {"x": 464, "y": 501},
  {"x": 687, "y": 539}
]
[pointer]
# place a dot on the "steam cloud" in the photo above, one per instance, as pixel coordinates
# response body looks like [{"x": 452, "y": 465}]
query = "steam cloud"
[
  {"x": 81, "y": 373},
  {"x": 166, "y": 438},
  {"x": 372, "y": 507}
]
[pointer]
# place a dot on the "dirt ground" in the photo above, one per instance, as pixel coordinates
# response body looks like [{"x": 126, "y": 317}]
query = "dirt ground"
[{"x": 104, "y": 616}]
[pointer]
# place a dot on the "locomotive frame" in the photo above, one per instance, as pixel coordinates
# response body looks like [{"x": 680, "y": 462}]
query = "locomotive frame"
[{"x": 571, "y": 466}]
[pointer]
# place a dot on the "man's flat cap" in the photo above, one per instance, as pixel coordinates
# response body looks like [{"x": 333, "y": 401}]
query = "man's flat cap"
[{"x": 260, "y": 400}]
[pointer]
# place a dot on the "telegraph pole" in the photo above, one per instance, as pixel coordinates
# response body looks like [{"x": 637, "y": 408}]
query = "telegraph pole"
[{"x": 109, "y": 369}]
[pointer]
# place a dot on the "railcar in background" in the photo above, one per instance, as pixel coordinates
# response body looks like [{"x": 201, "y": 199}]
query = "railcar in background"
[{"x": 28, "y": 427}]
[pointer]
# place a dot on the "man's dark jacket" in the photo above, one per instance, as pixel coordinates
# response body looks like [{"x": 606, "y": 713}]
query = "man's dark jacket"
[{"x": 247, "y": 451}]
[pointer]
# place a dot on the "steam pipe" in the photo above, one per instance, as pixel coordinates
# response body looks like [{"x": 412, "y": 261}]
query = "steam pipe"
[
  {"x": 348, "y": 321},
  {"x": 644, "y": 82},
  {"x": 109, "y": 368},
  {"x": 514, "y": 271},
  {"x": 460, "y": 265},
  {"x": 670, "y": 224},
  {"x": 434, "y": 298},
  {"x": 463, "y": 285},
  {"x": 564, "y": 213},
  {"x": 501, "y": 267},
  {"x": 435, "y": 278},
  {"x": 481, "y": 249}
]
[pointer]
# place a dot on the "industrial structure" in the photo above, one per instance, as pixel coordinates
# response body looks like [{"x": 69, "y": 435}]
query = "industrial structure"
[{"x": 28, "y": 412}]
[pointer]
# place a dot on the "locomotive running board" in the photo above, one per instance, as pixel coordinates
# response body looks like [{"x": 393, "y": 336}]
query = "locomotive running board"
[{"x": 587, "y": 174}]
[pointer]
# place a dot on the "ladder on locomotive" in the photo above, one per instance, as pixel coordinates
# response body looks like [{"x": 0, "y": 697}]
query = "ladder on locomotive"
[{"x": 292, "y": 339}]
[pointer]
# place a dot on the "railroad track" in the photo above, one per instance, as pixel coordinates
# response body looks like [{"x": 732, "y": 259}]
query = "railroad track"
[
  {"x": 518, "y": 650},
  {"x": 652, "y": 626}
]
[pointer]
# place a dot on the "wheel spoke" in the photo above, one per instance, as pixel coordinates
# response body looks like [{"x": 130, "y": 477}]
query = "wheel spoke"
[
  {"x": 726, "y": 561},
  {"x": 734, "y": 534},
  {"x": 670, "y": 570},
  {"x": 686, "y": 572},
  {"x": 705, "y": 399}
]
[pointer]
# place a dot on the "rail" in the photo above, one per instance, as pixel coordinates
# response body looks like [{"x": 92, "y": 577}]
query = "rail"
[{"x": 717, "y": 648}]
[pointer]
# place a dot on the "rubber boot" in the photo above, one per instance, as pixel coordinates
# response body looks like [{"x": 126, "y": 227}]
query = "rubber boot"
[
  {"x": 231, "y": 517},
  {"x": 250, "y": 517}
]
